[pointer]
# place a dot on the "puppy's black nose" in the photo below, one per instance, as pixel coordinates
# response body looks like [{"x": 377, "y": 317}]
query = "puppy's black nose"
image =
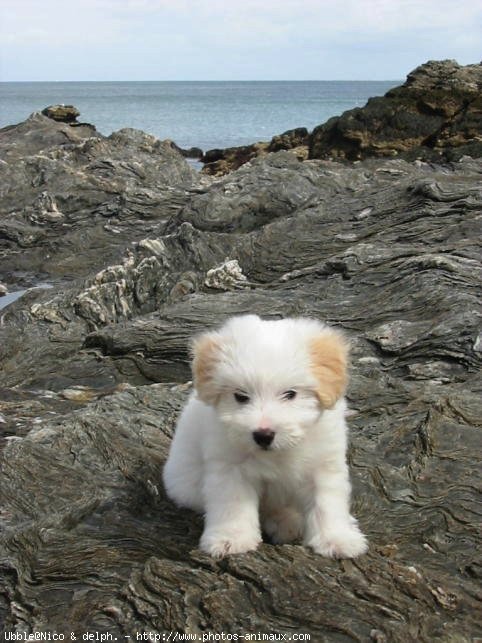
[{"x": 263, "y": 437}]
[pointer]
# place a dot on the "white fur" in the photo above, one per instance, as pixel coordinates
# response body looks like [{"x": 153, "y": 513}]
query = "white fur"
[{"x": 299, "y": 487}]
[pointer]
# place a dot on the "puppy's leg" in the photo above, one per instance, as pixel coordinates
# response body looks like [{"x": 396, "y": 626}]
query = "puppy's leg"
[
  {"x": 232, "y": 520},
  {"x": 281, "y": 521},
  {"x": 330, "y": 529}
]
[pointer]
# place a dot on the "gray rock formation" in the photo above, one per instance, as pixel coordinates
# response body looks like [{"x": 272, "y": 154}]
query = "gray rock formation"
[
  {"x": 142, "y": 254},
  {"x": 94, "y": 193}
]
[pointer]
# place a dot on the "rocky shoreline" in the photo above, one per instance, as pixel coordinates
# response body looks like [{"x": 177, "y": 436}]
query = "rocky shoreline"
[
  {"x": 139, "y": 252},
  {"x": 436, "y": 115}
]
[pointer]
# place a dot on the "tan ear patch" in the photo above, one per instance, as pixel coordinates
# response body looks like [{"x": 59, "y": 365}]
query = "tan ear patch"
[
  {"x": 206, "y": 350},
  {"x": 329, "y": 363}
]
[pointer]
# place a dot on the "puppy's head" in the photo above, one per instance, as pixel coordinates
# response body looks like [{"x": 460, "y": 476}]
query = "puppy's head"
[{"x": 269, "y": 381}]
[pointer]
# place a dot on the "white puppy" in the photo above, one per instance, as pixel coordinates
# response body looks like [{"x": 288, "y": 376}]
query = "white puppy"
[{"x": 263, "y": 438}]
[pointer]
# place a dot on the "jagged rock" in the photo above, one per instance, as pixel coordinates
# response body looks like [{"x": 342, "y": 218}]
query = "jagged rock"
[
  {"x": 219, "y": 162},
  {"x": 44, "y": 210},
  {"x": 96, "y": 369},
  {"x": 190, "y": 153},
  {"x": 436, "y": 113},
  {"x": 293, "y": 138},
  {"x": 258, "y": 193},
  {"x": 39, "y": 133},
  {"x": 227, "y": 276},
  {"x": 302, "y": 152},
  {"x": 66, "y": 192}
]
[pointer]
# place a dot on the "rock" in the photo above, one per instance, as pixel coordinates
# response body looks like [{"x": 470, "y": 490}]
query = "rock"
[
  {"x": 293, "y": 138},
  {"x": 61, "y": 113},
  {"x": 259, "y": 193},
  {"x": 227, "y": 276},
  {"x": 436, "y": 114},
  {"x": 67, "y": 191},
  {"x": 302, "y": 152},
  {"x": 95, "y": 371},
  {"x": 44, "y": 210},
  {"x": 39, "y": 133},
  {"x": 3, "y": 290},
  {"x": 190, "y": 153},
  {"x": 220, "y": 162}
]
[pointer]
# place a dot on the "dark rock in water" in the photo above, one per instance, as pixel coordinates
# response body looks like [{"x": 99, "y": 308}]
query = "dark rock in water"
[
  {"x": 142, "y": 254},
  {"x": 436, "y": 113},
  {"x": 62, "y": 113},
  {"x": 219, "y": 162},
  {"x": 190, "y": 153},
  {"x": 293, "y": 138}
]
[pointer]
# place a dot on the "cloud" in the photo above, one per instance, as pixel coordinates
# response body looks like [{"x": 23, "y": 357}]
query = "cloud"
[
  {"x": 49, "y": 24},
  {"x": 147, "y": 37},
  {"x": 254, "y": 18}
]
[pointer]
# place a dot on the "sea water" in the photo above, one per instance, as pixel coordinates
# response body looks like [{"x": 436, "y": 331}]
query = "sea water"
[{"x": 208, "y": 115}]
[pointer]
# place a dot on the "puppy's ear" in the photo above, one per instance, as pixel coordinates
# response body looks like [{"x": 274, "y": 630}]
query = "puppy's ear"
[
  {"x": 206, "y": 351},
  {"x": 329, "y": 364}
]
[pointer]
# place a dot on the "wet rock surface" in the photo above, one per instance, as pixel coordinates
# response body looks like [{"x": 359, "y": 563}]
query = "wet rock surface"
[{"x": 142, "y": 253}]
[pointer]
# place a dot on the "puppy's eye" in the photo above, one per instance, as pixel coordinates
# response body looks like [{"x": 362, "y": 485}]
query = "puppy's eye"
[
  {"x": 289, "y": 395},
  {"x": 241, "y": 398}
]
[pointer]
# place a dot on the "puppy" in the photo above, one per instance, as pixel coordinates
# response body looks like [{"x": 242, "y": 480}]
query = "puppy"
[{"x": 261, "y": 443}]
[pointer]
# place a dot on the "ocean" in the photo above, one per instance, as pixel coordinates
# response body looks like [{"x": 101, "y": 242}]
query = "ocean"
[{"x": 208, "y": 115}]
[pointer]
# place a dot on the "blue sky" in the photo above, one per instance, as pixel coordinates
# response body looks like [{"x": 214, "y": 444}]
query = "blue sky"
[{"x": 233, "y": 39}]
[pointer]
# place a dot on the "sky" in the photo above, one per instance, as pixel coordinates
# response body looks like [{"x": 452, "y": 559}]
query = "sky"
[{"x": 57, "y": 40}]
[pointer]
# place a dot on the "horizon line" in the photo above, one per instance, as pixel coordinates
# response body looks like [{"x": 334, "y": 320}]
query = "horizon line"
[{"x": 253, "y": 80}]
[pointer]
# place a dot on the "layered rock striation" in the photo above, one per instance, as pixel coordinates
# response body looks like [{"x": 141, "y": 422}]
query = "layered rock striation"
[{"x": 140, "y": 253}]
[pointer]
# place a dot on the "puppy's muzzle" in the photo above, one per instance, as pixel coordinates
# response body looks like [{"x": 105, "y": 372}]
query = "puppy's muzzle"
[{"x": 263, "y": 437}]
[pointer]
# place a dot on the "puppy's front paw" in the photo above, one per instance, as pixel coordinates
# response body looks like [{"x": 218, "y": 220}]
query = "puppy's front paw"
[
  {"x": 219, "y": 544},
  {"x": 344, "y": 542}
]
